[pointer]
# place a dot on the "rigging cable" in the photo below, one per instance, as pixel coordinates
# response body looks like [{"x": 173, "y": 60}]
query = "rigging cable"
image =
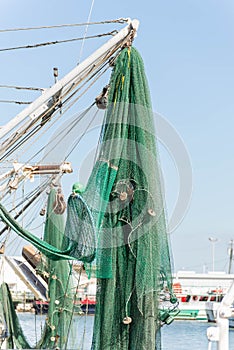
[
  {"x": 21, "y": 87},
  {"x": 16, "y": 102},
  {"x": 113, "y": 32},
  {"x": 56, "y": 103},
  {"x": 99, "y": 73},
  {"x": 75, "y": 122},
  {"x": 104, "y": 59},
  {"x": 61, "y": 133},
  {"x": 33, "y": 194},
  {"x": 81, "y": 136},
  {"x": 85, "y": 32},
  {"x": 119, "y": 20},
  {"x": 32, "y": 132}
]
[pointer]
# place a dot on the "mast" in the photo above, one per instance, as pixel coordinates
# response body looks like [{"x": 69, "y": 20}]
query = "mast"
[
  {"x": 230, "y": 256},
  {"x": 43, "y": 106}
]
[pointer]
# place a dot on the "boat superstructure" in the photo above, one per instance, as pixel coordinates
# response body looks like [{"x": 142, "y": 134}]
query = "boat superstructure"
[{"x": 196, "y": 291}]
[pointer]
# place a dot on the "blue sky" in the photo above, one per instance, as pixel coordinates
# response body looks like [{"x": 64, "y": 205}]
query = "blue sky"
[{"x": 188, "y": 50}]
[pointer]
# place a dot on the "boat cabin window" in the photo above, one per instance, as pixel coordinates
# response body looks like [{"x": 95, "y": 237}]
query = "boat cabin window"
[{"x": 203, "y": 298}]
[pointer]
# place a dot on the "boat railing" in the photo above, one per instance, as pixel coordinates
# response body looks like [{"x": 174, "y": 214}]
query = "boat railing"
[{"x": 220, "y": 333}]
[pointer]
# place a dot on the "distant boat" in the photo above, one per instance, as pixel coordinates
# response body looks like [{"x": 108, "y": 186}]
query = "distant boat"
[
  {"x": 88, "y": 306},
  {"x": 196, "y": 292}
]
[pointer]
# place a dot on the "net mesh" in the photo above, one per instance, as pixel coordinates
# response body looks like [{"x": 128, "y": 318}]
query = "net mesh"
[{"x": 125, "y": 198}]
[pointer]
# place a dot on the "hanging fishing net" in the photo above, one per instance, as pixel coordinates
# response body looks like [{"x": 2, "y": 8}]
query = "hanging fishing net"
[
  {"x": 124, "y": 196},
  {"x": 59, "y": 325},
  {"x": 116, "y": 226}
]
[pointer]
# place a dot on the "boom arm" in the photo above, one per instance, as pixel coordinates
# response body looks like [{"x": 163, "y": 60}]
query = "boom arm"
[{"x": 42, "y": 105}]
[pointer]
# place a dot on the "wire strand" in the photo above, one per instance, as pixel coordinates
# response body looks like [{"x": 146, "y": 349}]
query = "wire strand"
[
  {"x": 119, "y": 20},
  {"x": 16, "y": 102},
  {"x": 21, "y": 87},
  {"x": 85, "y": 32},
  {"x": 113, "y": 32}
]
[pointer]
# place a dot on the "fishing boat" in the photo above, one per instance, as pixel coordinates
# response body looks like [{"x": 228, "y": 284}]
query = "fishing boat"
[
  {"x": 115, "y": 225},
  {"x": 197, "y": 291},
  {"x": 194, "y": 306},
  {"x": 198, "y": 295}
]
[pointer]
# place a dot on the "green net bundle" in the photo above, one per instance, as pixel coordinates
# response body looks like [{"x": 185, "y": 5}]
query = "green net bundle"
[
  {"x": 124, "y": 196},
  {"x": 60, "y": 283},
  {"x": 116, "y": 224},
  {"x": 59, "y": 323}
]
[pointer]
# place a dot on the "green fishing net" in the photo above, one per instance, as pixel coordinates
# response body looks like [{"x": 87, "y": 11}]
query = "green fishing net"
[
  {"x": 61, "y": 294},
  {"x": 125, "y": 198},
  {"x": 47, "y": 249},
  {"x": 115, "y": 225},
  {"x": 60, "y": 283}
]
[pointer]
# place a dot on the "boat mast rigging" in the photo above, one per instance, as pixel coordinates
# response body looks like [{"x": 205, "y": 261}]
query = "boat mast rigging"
[{"x": 43, "y": 107}]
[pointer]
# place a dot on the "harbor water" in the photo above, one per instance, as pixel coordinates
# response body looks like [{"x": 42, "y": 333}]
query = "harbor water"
[{"x": 180, "y": 335}]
